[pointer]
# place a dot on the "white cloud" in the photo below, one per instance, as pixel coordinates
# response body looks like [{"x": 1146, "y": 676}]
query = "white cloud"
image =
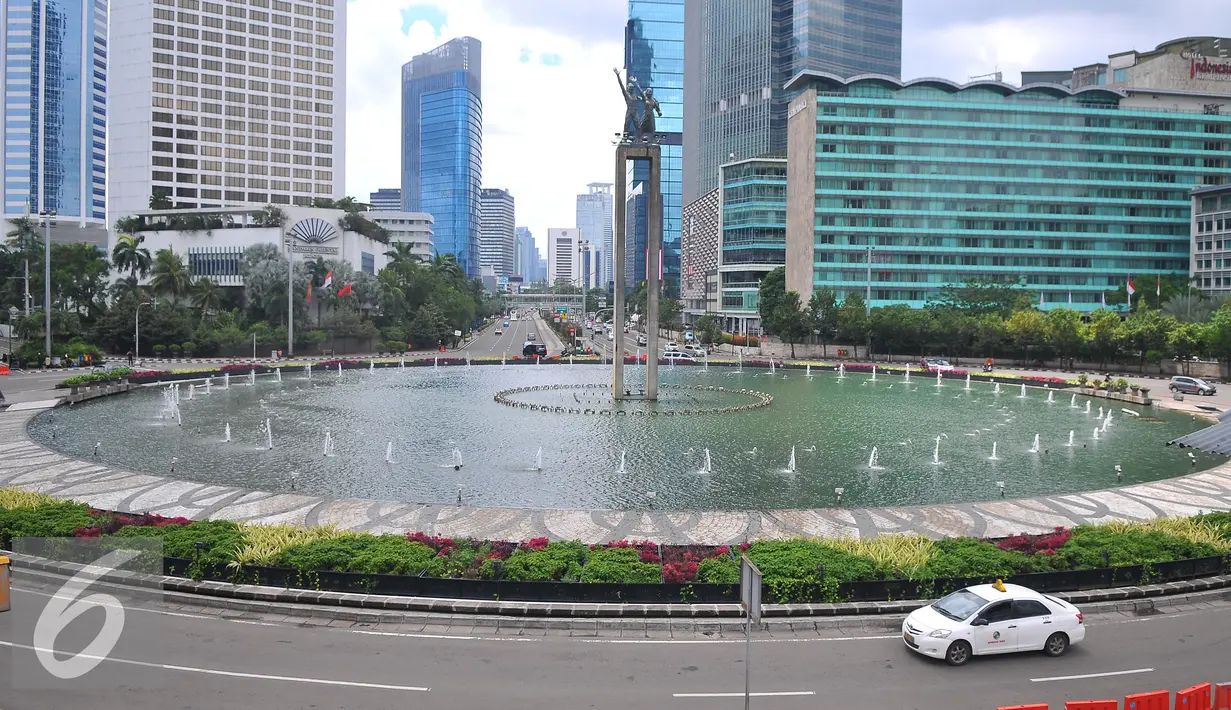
[{"x": 547, "y": 122}]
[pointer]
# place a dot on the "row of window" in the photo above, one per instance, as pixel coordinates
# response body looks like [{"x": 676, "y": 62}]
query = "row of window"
[
  {"x": 935, "y": 223},
  {"x": 1011, "y": 191},
  {"x": 233, "y": 125},
  {"x": 233, "y": 68},
  {"x": 1000, "y": 243},
  {"x": 966, "y": 134},
  {"x": 192, "y": 193},
  {"x": 188, "y": 134},
  {"x": 1060, "y": 155},
  {"x": 1005, "y": 207},
  {"x": 948, "y": 171},
  {"x": 234, "y": 11},
  {"x": 1110, "y": 280}
]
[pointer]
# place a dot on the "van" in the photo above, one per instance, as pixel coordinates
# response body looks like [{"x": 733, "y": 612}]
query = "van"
[{"x": 531, "y": 349}]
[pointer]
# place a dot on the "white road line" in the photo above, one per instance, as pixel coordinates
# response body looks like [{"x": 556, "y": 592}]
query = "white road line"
[
  {"x": 230, "y": 674},
  {"x": 1091, "y": 675},
  {"x": 702, "y": 642},
  {"x": 781, "y": 693}
]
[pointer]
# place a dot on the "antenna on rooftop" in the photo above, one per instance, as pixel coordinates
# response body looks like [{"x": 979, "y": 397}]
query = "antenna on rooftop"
[{"x": 994, "y": 76}]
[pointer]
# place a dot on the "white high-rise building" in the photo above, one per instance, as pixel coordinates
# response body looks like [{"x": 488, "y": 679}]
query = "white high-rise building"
[
  {"x": 497, "y": 242},
  {"x": 562, "y": 255},
  {"x": 413, "y": 228},
  {"x": 594, "y": 220},
  {"x": 226, "y": 103}
]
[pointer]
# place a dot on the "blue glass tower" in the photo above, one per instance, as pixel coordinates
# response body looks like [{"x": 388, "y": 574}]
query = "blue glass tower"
[
  {"x": 654, "y": 56},
  {"x": 442, "y": 145},
  {"x": 54, "y": 69}
]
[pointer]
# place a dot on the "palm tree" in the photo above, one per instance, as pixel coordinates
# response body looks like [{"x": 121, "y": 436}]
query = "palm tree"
[
  {"x": 129, "y": 255},
  {"x": 389, "y": 294},
  {"x": 160, "y": 199},
  {"x": 446, "y": 267},
  {"x": 171, "y": 275},
  {"x": 124, "y": 287},
  {"x": 206, "y": 296},
  {"x": 402, "y": 252},
  {"x": 23, "y": 238}
]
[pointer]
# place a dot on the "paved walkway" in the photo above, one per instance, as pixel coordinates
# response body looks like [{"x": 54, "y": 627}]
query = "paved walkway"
[{"x": 27, "y": 464}]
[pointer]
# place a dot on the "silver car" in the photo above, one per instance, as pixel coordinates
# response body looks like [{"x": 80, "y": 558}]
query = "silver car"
[{"x": 1191, "y": 385}]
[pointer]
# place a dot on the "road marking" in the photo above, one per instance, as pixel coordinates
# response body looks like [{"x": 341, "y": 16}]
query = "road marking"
[
  {"x": 781, "y": 693},
  {"x": 740, "y": 640},
  {"x": 1091, "y": 675},
  {"x": 231, "y": 674}
]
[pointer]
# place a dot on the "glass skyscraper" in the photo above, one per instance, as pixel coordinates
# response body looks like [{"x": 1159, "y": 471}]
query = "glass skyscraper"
[
  {"x": 848, "y": 37},
  {"x": 54, "y": 69},
  {"x": 442, "y": 145},
  {"x": 1063, "y": 192},
  {"x": 654, "y": 56}
]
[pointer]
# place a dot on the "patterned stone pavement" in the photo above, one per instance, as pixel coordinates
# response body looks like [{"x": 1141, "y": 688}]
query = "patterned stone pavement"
[{"x": 26, "y": 464}]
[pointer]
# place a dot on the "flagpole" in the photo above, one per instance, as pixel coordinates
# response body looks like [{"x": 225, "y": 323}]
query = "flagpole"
[{"x": 290, "y": 296}]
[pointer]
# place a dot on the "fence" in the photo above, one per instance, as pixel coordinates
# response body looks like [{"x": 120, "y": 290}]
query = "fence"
[{"x": 1203, "y": 696}]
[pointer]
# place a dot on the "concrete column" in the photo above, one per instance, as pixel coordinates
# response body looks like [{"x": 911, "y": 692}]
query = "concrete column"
[
  {"x": 654, "y": 243},
  {"x": 618, "y": 239}
]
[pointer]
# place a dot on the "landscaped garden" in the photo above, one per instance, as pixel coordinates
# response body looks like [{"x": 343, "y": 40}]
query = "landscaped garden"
[{"x": 798, "y": 570}]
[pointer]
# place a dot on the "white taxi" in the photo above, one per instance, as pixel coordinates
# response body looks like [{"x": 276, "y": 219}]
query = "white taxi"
[{"x": 993, "y": 618}]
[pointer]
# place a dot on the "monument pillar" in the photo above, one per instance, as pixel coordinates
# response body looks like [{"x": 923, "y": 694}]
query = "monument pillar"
[{"x": 652, "y": 154}]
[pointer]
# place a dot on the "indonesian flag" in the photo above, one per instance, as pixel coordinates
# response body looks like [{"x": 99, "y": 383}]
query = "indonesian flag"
[
  {"x": 1131, "y": 288},
  {"x": 328, "y": 280},
  {"x": 345, "y": 290}
]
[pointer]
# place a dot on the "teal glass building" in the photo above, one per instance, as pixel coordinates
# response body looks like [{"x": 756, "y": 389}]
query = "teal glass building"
[
  {"x": 935, "y": 183},
  {"x": 753, "y": 241}
]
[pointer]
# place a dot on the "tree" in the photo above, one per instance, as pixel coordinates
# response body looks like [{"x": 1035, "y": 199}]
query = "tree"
[
  {"x": 823, "y": 316},
  {"x": 206, "y": 296},
  {"x": 399, "y": 252},
  {"x": 790, "y": 320},
  {"x": 853, "y": 319},
  {"x": 981, "y": 296},
  {"x": 1102, "y": 332},
  {"x": 1145, "y": 330},
  {"x": 708, "y": 330},
  {"x": 128, "y": 255},
  {"x": 1218, "y": 336},
  {"x": 771, "y": 293},
  {"x": 1026, "y": 328},
  {"x": 171, "y": 277},
  {"x": 1191, "y": 308},
  {"x": 160, "y": 199},
  {"x": 669, "y": 310},
  {"x": 1065, "y": 332},
  {"x": 1188, "y": 339}
]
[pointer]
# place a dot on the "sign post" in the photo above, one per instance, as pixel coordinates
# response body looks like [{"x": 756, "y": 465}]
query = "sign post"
[{"x": 750, "y": 599}]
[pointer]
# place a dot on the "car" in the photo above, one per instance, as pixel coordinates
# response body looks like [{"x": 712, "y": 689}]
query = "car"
[
  {"x": 531, "y": 337},
  {"x": 610, "y": 335},
  {"x": 696, "y": 349},
  {"x": 506, "y": 324},
  {"x": 935, "y": 363},
  {"x": 642, "y": 340},
  {"x": 677, "y": 356},
  {"x": 990, "y": 619},
  {"x": 673, "y": 347},
  {"x": 530, "y": 349},
  {"x": 499, "y": 331},
  {"x": 1191, "y": 385}
]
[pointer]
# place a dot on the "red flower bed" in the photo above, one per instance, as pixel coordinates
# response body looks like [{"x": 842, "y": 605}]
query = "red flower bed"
[
  {"x": 1044, "y": 544},
  {"x": 648, "y": 551},
  {"x": 109, "y": 522},
  {"x": 680, "y": 562},
  {"x": 335, "y": 363},
  {"x": 535, "y": 544},
  {"x": 1048, "y": 380},
  {"x": 442, "y": 545},
  {"x": 239, "y": 367}
]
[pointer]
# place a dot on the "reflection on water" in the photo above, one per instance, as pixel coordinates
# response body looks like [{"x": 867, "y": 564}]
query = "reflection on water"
[{"x": 436, "y": 420}]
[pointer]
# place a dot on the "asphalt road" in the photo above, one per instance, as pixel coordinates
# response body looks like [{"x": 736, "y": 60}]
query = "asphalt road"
[
  {"x": 511, "y": 340},
  {"x": 193, "y": 659}
]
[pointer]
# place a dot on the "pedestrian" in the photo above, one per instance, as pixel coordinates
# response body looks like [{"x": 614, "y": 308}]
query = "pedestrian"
[
  {"x": 130, "y": 358},
  {"x": 46, "y": 362}
]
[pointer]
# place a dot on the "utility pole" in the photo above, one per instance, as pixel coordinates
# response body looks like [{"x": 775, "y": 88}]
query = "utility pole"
[
  {"x": 290, "y": 295},
  {"x": 48, "y": 215},
  {"x": 867, "y": 299}
]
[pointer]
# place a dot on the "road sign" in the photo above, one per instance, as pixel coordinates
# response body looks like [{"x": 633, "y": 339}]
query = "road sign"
[
  {"x": 572, "y": 331},
  {"x": 750, "y": 588}
]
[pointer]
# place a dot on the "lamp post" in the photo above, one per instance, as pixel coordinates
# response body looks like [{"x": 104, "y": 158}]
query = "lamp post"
[
  {"x": 290, "y": 295},
  {"x": 47, "y": 216},
  {"x": 137, "y": 332},
  {"x": 12, "y": 313},
  {"x": 867, "y": 299}
]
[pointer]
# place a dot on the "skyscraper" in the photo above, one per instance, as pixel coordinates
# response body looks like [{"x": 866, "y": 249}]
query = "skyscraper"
[
  {"x": 496, "y": 239},
  {"x": 386, "y": 199},
  {"x": 739, "y": 55},
  {"x": 54, "y": 70},
  {"x": 654, "y": 56},
  {"x": 563, "y": 267},
  {"x": 226, "y": 103},
  {"x": 594, "y": 219},
  {"x": 442, "y": 145},
  {"x": 527, "y": 255}
]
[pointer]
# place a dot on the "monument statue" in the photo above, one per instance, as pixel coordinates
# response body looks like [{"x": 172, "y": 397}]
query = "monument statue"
[
  {"x": 631, "y": 101},
  {"x": 646, "y": 126}
]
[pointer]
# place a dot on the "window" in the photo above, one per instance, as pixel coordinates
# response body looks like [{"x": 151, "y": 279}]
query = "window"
[
  {"x": 1000, "y": 611},
  {"x": 1025, "y": 608}
]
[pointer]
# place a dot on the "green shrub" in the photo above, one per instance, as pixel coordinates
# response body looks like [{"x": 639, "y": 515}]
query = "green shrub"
[
  {"x": 1220, "y": 522},
  {"x": 619, "y": 565},
  {"x": 160, "y": 350},
  {"x": 57, "y": 519},
  {"x": 718, "y": 570},
  {"x": 221, "y": 538},
  {"x": 1124, "y": 546},
  {"x": 175, "y": 350},
  {"x": 799, "y": 559},
  {"x": 558, "y": 561},
  {"x": 189, "y": 348},
  {"x": 363, "y": 554},
  {"x": 969, "y": 557}
]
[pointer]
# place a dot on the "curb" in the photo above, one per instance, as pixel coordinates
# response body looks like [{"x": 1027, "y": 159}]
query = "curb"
[{"x": 303, "y": 602}]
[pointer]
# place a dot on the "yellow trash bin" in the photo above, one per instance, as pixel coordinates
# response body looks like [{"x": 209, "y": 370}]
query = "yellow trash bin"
[{"x": 4, "y": 583}]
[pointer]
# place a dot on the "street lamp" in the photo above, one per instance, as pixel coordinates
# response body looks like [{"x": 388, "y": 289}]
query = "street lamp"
[
  {"x": 867, "y": 299},
  {"x": 137, "y": 333},
  {"x": 12, "y": 314},
  {"x": 47, "y": 216}
]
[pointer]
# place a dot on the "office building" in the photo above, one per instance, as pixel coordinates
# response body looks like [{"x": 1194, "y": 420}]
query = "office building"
[
  {"x": 934, "y": 183},
  {"x": 1197, "y": 64},
  {"x": 497, "y": 243},
  {"x": 55, "y": 129},
  {"x": 562, "y": 256},
  {"x": 636, "y": 254},
  {"x": 752, "y": 237},
  {"x": 1210, "y": 246},
  {"x": 442, "y": 145},
  {"x": 225, "y": 103},
  {"x": 541, "y": 273},
  {"x": 654, "y": 54},
  {"x": 700, "y": 242},
  {"x": 527, "y": 255},
  {"x": 413, "y": 228},
  {"x": 386, "y": 199},
  {"x": 739, "y": 55},
  {"x": 594, "y": 219}
]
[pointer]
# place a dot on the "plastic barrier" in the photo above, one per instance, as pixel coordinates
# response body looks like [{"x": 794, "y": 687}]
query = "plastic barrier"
[
  {"x": 1092, "y": 705},
  {"x": 4, "y": 584},
  {"x": 1038, "y": 706},
  {"x": 1222, "y": 696},
  {"x": 4, "y": 369},
  {"x": 1156, "y": 700},
  {"x": 1196, "y": 697}
]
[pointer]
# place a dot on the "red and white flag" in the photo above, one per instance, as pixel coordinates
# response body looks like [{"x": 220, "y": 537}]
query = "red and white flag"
[
  {"x": 328, "y": 280},
  {"x": 1130, "y": 287}
]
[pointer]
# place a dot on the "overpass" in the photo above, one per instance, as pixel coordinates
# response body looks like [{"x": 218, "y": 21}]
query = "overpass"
[{"x": 572, "y": 303}]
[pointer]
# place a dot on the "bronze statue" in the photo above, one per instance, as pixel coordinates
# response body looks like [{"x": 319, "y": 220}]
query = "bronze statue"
[
  {"x": 651, "y": 107},
  {"x": 631, "y": 99}
]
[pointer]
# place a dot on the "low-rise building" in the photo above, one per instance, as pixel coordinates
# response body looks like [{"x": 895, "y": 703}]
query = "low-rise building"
[
  {"x": 1210, "y": 259},
  {"x": 699, "y": 244},
  {"x": 414, "y": 228}
]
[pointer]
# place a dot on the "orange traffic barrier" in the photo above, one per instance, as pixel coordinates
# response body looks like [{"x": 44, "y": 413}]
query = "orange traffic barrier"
[
  {"x": 1156, "y": 700},
  {"x": 4, "y": 369},
  {"x": 1037, "y": 706},
  {"x": 1222, "y": 696},
  {"x": 1196, "y": 697},
  {"x": 1092, "y": 705}
]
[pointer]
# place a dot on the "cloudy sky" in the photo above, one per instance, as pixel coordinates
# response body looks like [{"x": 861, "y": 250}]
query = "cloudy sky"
[{"x": 550, "y": 103}]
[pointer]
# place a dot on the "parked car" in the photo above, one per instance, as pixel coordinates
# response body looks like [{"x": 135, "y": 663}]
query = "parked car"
[
  {"x": 991, "y": 619},
  {"x": 695, "y": 349},
  {"x": 678, "y": 356},
  {"x": 530, "y": 349},
  {"x": 1191, "y": 385},
  {"x": 673, "y": 347},
  {"x": 935, "y": 363},
  {"x": 642, "y": 340}
]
